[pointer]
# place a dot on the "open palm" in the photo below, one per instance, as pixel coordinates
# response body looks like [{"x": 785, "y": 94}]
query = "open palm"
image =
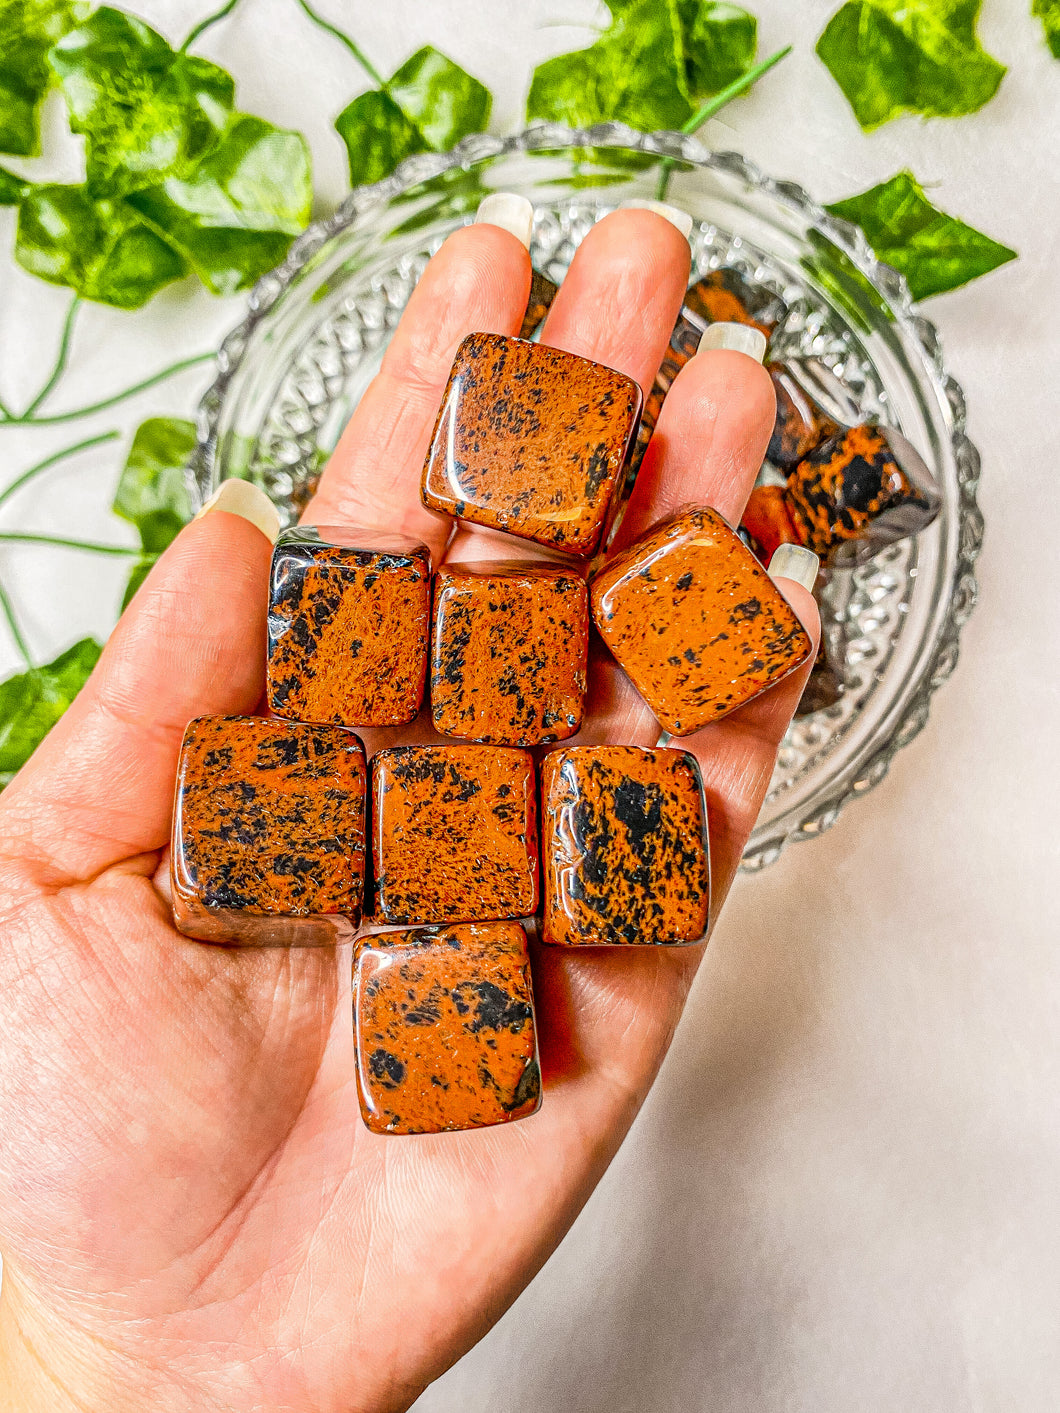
[{"x": 191, "y": 1213}]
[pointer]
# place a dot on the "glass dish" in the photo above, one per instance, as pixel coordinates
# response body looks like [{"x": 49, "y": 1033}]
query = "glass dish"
[{"x": 292, "y": 372}]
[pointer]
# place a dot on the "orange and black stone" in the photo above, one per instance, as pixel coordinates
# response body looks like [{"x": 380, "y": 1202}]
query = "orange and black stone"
[
  {"x": 349, "y": 619},
  {"x": 444, "y": 1028},
  {"x": 859, "y": 491},
  {"x": 454, "y": 834},
  {"x": 722, "y": 296},
  {"x": 767, "y": 521},
  {"x": 508, "y": 652},
  {"x": 695, "y": 622},
  {"x": 626, "y": 852},
  {"x": 801, "y": 422},
  {"x": 268, "y": 841},
  {"x": 531, "y": 440},
  {"x": 542, "y": 292}
]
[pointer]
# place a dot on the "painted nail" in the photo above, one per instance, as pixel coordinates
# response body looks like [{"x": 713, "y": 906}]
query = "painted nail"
[
  {"x": 796, "y": 563},
  {"x": 247, "y": 500},
  {"x": 740, "y": 338},
  {"x": 510, "y": 212},
  {"x": 681, "y": 219}
]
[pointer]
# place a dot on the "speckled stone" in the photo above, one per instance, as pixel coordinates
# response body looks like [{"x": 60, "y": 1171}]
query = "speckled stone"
[
  {"x": 626, "y": 856},
  {"x": 859, "y": 491},
  {"x": 695, "y": 622},
  {"x": 444, "y": 1028},
  {"x": 724, "y": 296},
  {"x": 508, "y": 652},
  {"x": 531, "y": 440},
  {"x": 454, "y": 834},
  {"x": 349, "y": 617},
  {"x": 268, "y": 832}
]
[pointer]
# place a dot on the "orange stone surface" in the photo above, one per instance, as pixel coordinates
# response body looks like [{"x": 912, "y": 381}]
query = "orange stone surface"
[
  {"x": 508, "y": 652},
  {"x": 454, "y": 834},
  {"x": 349, "y": 617},
  {"x": 695, "y": 622},
  {"x": 444, "y": 1028},
  {"x": 859, "y": 491},
  {"x": 626, "y": 857},
  {"x": 767, "y": 520},
  {"x": 268, "y": 832},
  {"x": 531, "y": 440},
  {"x": 724, "y": 296}
]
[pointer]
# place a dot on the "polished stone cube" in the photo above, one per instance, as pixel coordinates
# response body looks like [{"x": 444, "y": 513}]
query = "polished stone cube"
[
  {"x": 531, "y": 440},
  {"x": 625, "y": 849},
  {"x": 349, "y": 618},
  {"x": 859, "y": 491},
  {"x": 508, "y": 652},
  {"x": 695, "y": 622},
  {"x": 454, "y": 834},
  {"x": 268, "y": 832},
  {"x": 444, "y": 1028}
]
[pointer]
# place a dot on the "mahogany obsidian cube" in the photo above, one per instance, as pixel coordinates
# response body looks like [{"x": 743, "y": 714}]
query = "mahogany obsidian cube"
[
  {"x": 268, "y": 832},
  {"x": 624, "y": 839},
  {"x": 508, "y": 652},
  {"x": 454, "y": 834},
  {"x": 349, "y": 617},
  {"x": 859, "y": 491},
  {"x": 531, "y": 440},
  {"x": 444, "y": 1028},
  {"x": 695, "y": 622}
]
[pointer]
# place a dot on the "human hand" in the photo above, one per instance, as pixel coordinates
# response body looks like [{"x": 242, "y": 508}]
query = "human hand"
[{"x": 192, "y": 1216}]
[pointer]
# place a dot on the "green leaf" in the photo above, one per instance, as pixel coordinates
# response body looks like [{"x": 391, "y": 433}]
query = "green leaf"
[
  {"x": 28, "y": 29},
  {"x": 147, "y": 112},
  {"x": 650, "y": 68},
  {"x": 236, "y": 215},
  {"x": 934, "y": 252},
  {"x": 12, "y": 189},
  {"x": 909, "y": 56},
  {"x": 32, "y": 702},
  {"x": 1048, "y": 11},
  {"x": 427, "y": 106},
  {"x": 101, "y": 249},
  {"x": 152, "y": 493}
]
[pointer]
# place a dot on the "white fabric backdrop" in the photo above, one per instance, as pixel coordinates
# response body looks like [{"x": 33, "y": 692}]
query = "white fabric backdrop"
[{"x": 843, "y": 1191}]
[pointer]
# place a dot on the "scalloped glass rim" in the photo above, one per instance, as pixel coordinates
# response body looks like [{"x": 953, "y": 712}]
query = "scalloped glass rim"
[{"x": 937, "y": 654}]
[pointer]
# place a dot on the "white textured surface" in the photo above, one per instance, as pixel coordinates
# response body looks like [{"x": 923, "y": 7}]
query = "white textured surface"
[{"x": 843, "y": 1192}]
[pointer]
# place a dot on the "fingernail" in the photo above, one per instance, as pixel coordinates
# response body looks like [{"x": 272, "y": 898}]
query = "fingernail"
[
  {"x": 510, "y": 212},
  {"x": 794, "y": 562},
  {"x": 681, "y": 219},
  {"x": 245, "y": 499},
  {"x": 740, "y": 338}
]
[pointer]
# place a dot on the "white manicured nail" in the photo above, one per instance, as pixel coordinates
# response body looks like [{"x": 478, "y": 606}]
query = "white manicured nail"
[
  {"x": 245, "y": 499},
  {"x": 740, "y": 338},
  {"x": 681, "y": 219},
  {"x": 510, "y": 212},
  {"x": 794, "y": 562}
]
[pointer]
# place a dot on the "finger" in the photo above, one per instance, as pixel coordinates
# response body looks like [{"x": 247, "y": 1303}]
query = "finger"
[
  {"x": 100, "y": 787},
  {"x": 477, "y": 282},
  {"x": 709, "y": 444},
  {"x": 616, "y": 306}
]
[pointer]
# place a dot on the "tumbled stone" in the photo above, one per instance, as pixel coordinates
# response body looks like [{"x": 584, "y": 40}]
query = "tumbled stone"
[
  {"x": 626, "y": 852},
  {"x": 268, "y": 832},
  {"x": 508, "y": 652},
  {"x": 454, "y": 834},
  {"x": 801, "y": 423},
  {"x": 859, "y": 491},
  {"x": 349, "y": 618},
  {"x": 444, "y": 1028},
  {"x": 542, "y": 292},
  {"x": 768, "y": 523},
  {"x": 531, "y": 440},
  {"x": 695, "y": 622}
]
